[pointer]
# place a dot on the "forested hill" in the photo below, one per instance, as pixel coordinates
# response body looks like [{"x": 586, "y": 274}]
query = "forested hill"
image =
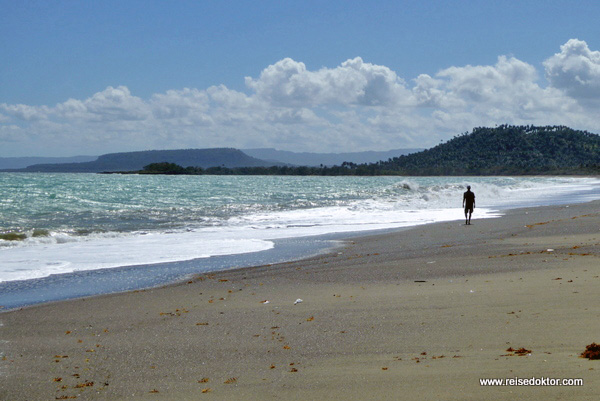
[{"x": 505, "y": 150}]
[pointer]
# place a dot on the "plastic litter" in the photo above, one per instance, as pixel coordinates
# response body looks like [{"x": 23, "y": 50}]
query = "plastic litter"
[{"x": 297, "y": 301}]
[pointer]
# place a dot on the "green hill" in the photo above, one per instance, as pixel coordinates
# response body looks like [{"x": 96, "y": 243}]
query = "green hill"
[{"x": 505, "y": 150}]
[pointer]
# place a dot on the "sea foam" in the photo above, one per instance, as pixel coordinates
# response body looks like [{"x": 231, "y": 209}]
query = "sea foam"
[{"x": 160, "y": 219}]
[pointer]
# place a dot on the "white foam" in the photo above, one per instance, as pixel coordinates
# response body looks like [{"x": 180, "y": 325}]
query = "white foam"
[
  {"x": 251, "y": 233},
  {"x": 400, "y": 204},
  {"x": 28, "y": 262}
]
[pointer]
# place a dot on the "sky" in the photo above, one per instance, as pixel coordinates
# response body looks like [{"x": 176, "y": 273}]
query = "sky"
[{"x": 95, "y": 77}]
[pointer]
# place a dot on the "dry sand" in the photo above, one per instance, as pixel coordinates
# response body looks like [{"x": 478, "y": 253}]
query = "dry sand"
[{"x": 420, "y": 314}]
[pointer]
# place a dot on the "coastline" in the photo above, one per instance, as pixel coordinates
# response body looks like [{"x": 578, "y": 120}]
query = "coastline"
[
  {"x": 74, "y": 285},
  {"x": 460, "y": 294}
]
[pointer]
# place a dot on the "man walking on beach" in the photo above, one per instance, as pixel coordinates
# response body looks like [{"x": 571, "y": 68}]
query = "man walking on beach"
[{"x": 468, "y": 204}]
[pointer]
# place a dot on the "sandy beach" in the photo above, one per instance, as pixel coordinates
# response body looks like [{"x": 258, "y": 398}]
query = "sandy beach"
[{"x": 419, "y": 314}]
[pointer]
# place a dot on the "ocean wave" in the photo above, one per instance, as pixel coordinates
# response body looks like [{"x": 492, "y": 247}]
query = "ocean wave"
[
  {"x": 28, "y": 262},
  {"x": 184, "y": 220}
]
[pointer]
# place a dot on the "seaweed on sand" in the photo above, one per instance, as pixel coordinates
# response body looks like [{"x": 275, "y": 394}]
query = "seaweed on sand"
[{"x": 592, "y": 351}]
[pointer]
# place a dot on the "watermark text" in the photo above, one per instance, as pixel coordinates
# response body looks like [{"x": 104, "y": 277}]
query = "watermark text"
[{"x": 531, "y": 381}]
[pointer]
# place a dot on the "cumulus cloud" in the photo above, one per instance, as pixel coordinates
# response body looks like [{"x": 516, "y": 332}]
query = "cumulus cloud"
[
  {"x": 354, "y": 82},
  {"x": 112, "y": 104},
  {"x": 353, "y": 106},
  {"x": 576, "y": 70},
  {"x": 25, "y": 112},
  {"x": 430, "y": 92},
  {"x": 509, "y": 78},
  {"x": 507, "y": 92},
  {"x": 294, "y": 116},
  {"x": 177, "y": 104}
]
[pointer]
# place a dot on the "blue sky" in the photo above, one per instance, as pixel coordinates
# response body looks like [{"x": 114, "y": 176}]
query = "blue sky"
[{"x": 96, "y": 77}]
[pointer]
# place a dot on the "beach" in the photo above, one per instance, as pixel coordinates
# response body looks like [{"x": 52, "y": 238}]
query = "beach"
[{"x": 422, "y": 313}]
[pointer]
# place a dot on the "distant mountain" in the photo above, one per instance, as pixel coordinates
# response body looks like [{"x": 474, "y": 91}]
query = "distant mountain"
[
  {"x": 225, "y": 157},
  {"x": 22, "y": 162},
  {"x": 505, "y": 150},
  {"x": 326, "y": 159}
]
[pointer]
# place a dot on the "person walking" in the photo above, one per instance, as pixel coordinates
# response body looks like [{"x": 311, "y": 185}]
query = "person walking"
[{"x": 468, "y": 204}]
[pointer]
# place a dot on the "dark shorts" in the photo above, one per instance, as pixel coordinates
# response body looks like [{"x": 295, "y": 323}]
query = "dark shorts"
[{"x": 469, "y": 209}]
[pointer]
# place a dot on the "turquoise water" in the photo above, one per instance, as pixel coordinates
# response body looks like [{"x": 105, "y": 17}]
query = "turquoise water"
[
  {"x": 69, "y": 223},
  {"x": 86, "y": 203}
]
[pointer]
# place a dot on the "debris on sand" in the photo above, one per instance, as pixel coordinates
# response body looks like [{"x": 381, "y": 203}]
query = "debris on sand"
[
  {"x": 520, "y": 352},
  {"x": 592, "y": 351}
]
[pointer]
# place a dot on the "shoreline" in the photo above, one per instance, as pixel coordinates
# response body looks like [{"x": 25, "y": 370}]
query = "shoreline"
[
  {"x": 75, "y": 285},
  {"x": 157, "y": 271},
  {"x": 460, "y": 294}
]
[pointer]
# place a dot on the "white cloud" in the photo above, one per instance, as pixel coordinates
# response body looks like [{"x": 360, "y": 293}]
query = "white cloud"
[
  {"x": 112, "y": 104},
  {"x": 508, "y": 79},
  {"x": 354, "y": 82},
  {"x": 25, "y": 112},
  {"x": 221, "y": 96},
  {"x": 117, "y": 104},
  {"x": 295, "y": 116},
  {"x": 71, "y": 110},
  {"x": 353, "y": 106},
  {"x": 177, "y": 104},
  {"x": 576, "y": 70},
  {"x": 430, "y": 92},
  {"x": 507, "y": 92}
]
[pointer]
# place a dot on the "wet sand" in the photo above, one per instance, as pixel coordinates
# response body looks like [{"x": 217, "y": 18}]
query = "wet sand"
[{"x": 417, "y": 314}]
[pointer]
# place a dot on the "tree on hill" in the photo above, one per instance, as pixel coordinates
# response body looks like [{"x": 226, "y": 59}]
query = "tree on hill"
[{"x": 506, "y": 150}]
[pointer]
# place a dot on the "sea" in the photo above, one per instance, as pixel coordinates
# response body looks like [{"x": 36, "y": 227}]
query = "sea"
[{"x": 74, "y": 235}]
